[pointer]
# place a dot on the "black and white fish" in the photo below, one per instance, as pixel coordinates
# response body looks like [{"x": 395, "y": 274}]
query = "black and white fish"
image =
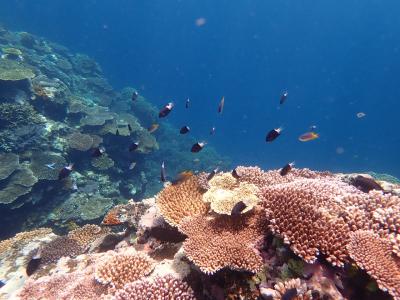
[
  {"x": 273, "y": 134},
  {"x": 197, "y": 147},
  {"x": 163, "y": 176},
  {"x": 166, "y": 110},
  {"x": 133, "y": 146},
  {"x": 286, "y": 169},
  {"x": 65, "y": 171},
  {"x": 184, "y": 130}
]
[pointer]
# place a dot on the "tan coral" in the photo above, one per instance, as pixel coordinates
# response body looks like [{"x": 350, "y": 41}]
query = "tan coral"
[
  {"x": 123, "y": 268},
  {"x": 225, "y": 192},
  {"x": 375, "y": 256},
  {"x": 87, "y": 234},
  {"x": 224, "y": 241},
  {"x": 181, "y": 200}
]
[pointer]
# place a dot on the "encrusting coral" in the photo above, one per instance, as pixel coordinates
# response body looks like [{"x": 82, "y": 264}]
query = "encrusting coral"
[
  {"x": 224, "y": 241},
  {"x": 180, "y": 200}
]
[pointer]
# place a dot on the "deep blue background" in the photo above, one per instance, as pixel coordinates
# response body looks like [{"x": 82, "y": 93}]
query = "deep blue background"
[{"x": 336, "y": 58}]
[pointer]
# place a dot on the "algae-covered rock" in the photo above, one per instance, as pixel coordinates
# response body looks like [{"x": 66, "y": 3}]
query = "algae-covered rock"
[
  {"x": 18, "y": 184},
  {"x": 9, "y": 162},
  {"x": 13, "y": 71},
  {"x": 27, "y": 39}
]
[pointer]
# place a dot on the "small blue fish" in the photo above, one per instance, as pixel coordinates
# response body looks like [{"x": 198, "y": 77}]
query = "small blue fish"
[
  {"x": 51, "y": 166},
  {"x": 2, "y": 283}
]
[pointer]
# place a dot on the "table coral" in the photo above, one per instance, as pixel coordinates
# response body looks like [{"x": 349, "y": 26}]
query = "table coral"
[
  {"x": 9, "y": 162},
  {"x": 18, "y": 184},
  {"x": 181, "y": 200},
  {"x": 79, "y": 141},
  {"x": 39, "y": 162},
  {"x": 224, "y": 241},
  {"x": 103, "y": 162},
  {"x": 374, "y": 255},
  {"x": 13, "y": 71}
]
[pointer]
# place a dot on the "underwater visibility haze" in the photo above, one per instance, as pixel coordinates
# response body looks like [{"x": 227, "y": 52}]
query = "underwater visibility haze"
[{"x": 190, "y": 149}]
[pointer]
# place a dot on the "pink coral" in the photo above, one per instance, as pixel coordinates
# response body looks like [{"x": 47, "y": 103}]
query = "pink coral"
[{"x": 166, "y": 287}]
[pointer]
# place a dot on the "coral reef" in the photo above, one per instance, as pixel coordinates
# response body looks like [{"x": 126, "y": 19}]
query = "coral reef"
[
  {"x": 181, "y": 200},
  {"x": 224, "y": 241},
  {"x": 166, "y": 287}
]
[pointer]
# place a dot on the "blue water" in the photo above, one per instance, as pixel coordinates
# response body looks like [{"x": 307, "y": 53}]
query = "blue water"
[{"x": 335, "y": 58}]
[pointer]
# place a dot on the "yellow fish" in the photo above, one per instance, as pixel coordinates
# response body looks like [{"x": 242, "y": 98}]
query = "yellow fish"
[
  {"x": 153, "y": 128},
  {"x": 308, "y": 136}
]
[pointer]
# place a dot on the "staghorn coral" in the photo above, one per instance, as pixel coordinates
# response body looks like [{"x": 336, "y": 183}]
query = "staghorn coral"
[
  {"x": 39, "y": 162},
  {"x": 225, "y": 192},
  {"x": 181, "y": 200},
  {"x": 224, "y": 241},
  {"x": 80, "y": 141},
  {"x": 59, "y": 247},
  {"x": 374, "y": 255},
  {"x": 103, "y": 162},
  {"x": 166, "y": 287},
  {"x": 123, "y": 268},
  {"x": 9, "y": 162},
  {"x": 87, "y": 234}
]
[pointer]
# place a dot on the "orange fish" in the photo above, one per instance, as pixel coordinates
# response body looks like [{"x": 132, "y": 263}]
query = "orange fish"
[
  {"x": 308, "y": 136},
  {"x": 182, "y": 176},
  {"x": 153, "y": 127}
]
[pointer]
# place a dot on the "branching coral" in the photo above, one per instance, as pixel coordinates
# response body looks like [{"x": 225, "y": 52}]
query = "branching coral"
[
  {"x": 181, "y": 200},
  {"x": 166, "y": 287},
  {"x": 225, "y": 192},
  {"x": 59, "y": 247},
  {"x": 123, "y": 268},
  {"x": 14, "y": 114},
  {"x": 375, "y": 256},
  {"x": 224, "y": 241}
]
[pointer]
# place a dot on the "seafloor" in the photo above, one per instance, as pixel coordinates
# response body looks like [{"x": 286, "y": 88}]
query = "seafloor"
[{"x": 305, "y": 235}]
